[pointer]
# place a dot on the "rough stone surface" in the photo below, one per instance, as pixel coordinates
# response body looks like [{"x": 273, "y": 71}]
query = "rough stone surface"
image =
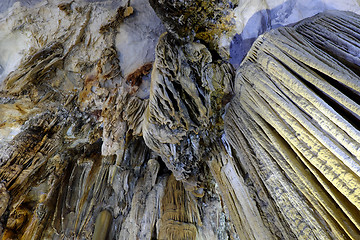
[{"x": 112, "y": 128}]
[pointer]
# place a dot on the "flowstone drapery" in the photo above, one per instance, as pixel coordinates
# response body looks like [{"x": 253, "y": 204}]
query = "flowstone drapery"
[
  {"x": 101, "y": 143},
  {"x": 297, "y": 108}
]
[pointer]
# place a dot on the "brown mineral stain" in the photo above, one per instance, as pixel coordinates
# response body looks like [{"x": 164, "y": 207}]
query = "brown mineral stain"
[
  {"x": 135, "y": 78},
  {"x": 65, "y": 7},
  {"x": 113, "y": 23},
  {"x": 89, "y": 82}
]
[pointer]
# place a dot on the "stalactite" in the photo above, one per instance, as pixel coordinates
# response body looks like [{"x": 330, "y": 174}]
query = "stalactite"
[
  {"x": 113, "y": 128},
  {"x": 305, "y": 121},
  {"x": 179, "y": 213}
]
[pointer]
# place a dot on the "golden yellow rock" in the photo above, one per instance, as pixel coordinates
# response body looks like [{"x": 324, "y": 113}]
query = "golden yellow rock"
[
  {"x": 102, "y": 225},
  {"x": 128, "y": 11}
]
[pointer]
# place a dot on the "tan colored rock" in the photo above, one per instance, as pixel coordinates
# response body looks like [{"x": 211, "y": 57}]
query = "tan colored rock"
[
  {"x": 103, "y": 136},
  {"x": 297, "y": 106}
]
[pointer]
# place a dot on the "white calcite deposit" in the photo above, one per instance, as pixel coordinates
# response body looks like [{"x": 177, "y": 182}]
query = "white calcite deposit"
[
  {"x": 113, "y": 128},
  {"x": 12, "y": 47},
  {"x": 137, "y": 37},
  {"x": 254, "y": 17}
]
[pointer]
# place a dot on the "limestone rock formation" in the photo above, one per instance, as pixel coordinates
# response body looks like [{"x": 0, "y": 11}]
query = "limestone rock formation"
[
  {"x": 115, "y": 125},
  {"x": 297, "y": 108}
]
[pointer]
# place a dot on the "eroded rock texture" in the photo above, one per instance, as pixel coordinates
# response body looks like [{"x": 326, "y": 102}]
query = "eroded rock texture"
[
  {"x": 187, "y": 95},
  {"x": 296, "y": 107},
  {"x": 74, "y": 104},
  {"x": 105, "y": 136}
]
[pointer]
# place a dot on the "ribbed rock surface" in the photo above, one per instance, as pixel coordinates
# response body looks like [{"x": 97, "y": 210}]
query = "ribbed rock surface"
[
  {"x": 186, "y": 95},
  {"x": 74, "y": 96},
  {"x": 105, "y": 136},
  {"x": 297, "y": 108}
]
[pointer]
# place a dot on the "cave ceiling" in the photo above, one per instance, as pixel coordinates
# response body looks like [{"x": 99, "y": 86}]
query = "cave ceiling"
[{"x": 179, "y": 119}]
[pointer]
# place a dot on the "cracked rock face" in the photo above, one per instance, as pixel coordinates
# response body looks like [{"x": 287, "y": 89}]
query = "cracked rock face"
[{"x": 113, "y": 128}]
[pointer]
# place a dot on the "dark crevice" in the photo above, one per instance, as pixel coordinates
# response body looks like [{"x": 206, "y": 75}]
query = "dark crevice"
[
  {"x": 214, "y": 54},
  {"x": 341, "y": 57},
  {"x": 198, "y": 84},
  {"x": 172, "y": 99},
  {"x": 349, "y": 116},
  {"x": 182, "y": 121},
  {"x": 192, "y": 108},
  {"x": 347, "y": 91},
  {"x": 189, "y": 102},
  {"x": 355, "y": 68},
  {"x": 163, "y": 169},
  {"x": 338, "y": 51},
  {"x": 160, "y": 105}
]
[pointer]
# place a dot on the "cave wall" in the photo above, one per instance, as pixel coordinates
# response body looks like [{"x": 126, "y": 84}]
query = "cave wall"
[{"x": 156, "y": 120}]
